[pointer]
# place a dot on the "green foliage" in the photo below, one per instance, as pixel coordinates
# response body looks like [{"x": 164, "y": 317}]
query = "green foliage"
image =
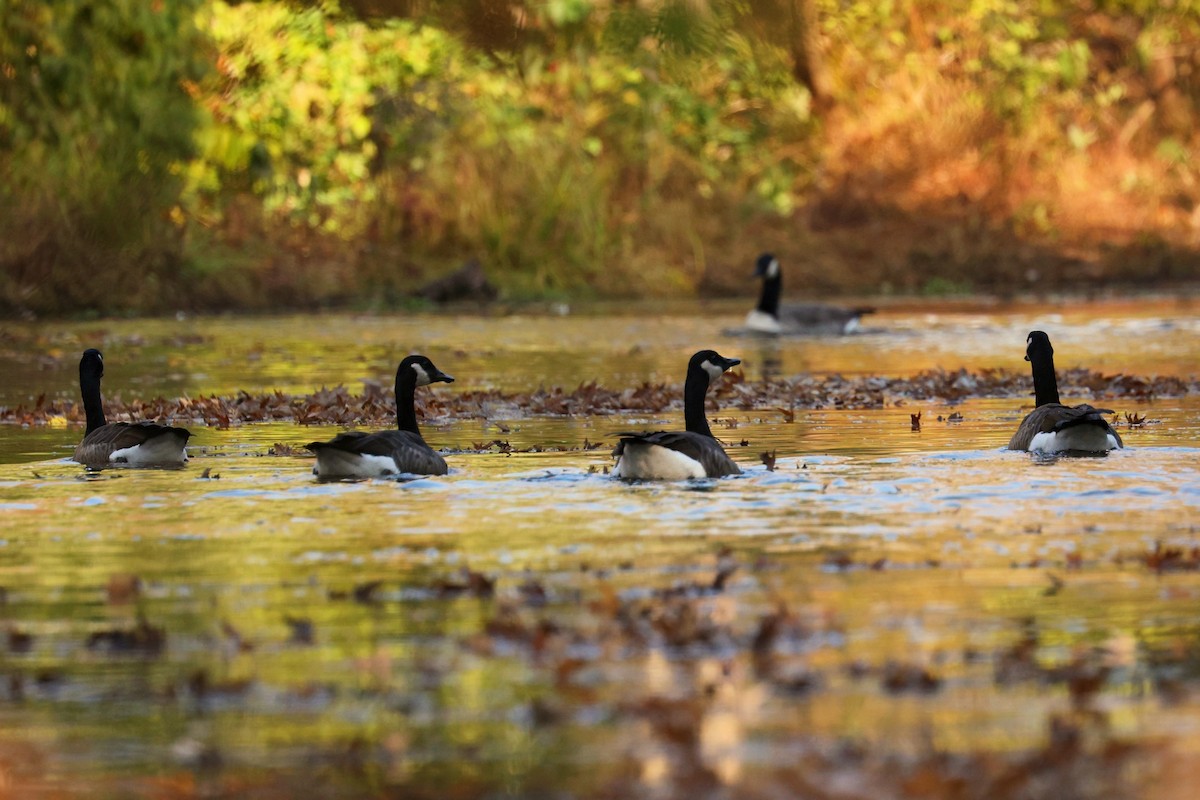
[
  {"x": 95, "y": 116},
  {"x": 546, "y": 165},
  {"x": 278, "y": 152},
  {"x": 307, "y": 106}
]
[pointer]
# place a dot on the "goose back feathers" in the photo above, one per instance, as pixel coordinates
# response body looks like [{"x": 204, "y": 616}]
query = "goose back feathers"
[
  {"x": 134, "y": 444},
  {"x": 1053, "y": 427},
  {"x": 679, "y": 455},
  {"x": 356, "y": 454}
]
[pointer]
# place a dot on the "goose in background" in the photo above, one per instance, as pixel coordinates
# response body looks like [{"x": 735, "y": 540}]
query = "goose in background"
[
  {"x": 770, "y": 318},
  {"x": 678, "y": 455},
  {"x": 133, "y": 444},
  {"x": 356, "y": 454},
  {"x": 1052, "y": 427}
]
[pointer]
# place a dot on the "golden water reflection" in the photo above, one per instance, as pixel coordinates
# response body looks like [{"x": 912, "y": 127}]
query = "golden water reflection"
[{"x": 887, "y": 594}]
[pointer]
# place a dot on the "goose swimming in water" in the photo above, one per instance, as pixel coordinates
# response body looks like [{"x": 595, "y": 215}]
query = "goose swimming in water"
[
  {"x": 132, "y": 444},
  {"x": 356, "y": 454},
  {"x": 771, "y": 318},
  {"x": 679, "y": 455},
  {"x": 1052, "y": 427}
]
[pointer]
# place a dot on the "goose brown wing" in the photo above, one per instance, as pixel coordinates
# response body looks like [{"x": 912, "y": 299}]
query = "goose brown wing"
[
  {"x": 98, "y": 445},
  {"x": 407, "y": 449},
  {"x": 704, "y": 449},
  {"x": 1084, "y": 414},
  {"x": 1055, "y": 417}
]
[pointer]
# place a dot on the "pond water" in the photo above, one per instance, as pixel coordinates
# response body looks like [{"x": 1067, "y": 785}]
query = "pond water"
[{"x": 886, "y": 613}]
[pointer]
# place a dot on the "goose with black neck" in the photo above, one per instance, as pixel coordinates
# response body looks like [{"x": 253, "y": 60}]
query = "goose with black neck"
[
  {"x": 384, "y": 454},
  {"x": 678, "y": 455},
  {"x": 1053, "y": 427},
  {"x": 130, "y": 444},
  {"x": 771, "y": 318}
]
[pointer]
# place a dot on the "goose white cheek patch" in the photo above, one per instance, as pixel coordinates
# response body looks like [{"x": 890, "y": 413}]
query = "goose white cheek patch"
[
  {"x": 712, "y": 369},
  {"x": 422, "y": 375},
  {"x": 773, "y": 268}
]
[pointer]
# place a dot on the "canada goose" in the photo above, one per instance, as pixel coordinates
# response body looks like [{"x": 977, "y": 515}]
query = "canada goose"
[
  {"x": 769, "y": 317},
  {"x": 356, "y": 454},
  {"x": 1052, "y": 427},
  {"x": 678, "y": 455},
  {"x": 134, "y": 444}
]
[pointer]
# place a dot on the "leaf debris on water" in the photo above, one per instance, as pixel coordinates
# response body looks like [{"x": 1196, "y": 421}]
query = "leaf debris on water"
[
  {"x": 340, "y": 406},
  {"x": 302, "y": 630}
]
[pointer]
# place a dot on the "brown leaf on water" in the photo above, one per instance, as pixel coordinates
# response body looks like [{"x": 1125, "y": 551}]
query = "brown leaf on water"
[
  {"x": 1172, "y": 559},
  {"x": 19, "y": 641},
  {"x": 234, "y": 637},
  {"x": 768, "y": 459},
  {"x": 532, "y": 593},
  {"x": 123, "y": 588},
  {"x": 302, "y": 630},
  {"x": 789, "y": 414},
  {"x": 675, "y": 720},
  {"x": 339, "y": 406},
  {"x": 365, "y": 592},
  {"x": 839, "y": 560},
  {"x": 1133, "y": 420},
  {"x": 1056, "y": 585},
  {"x": 1018, "y": 662},
  {"x": 726, "y": 566},
  {"x": 955, "y": 417},
  {"x": 916, "y": 421},
  {"x": 1084, "y": 676},
  {"x": 898, "y": 677},
  {"x": 465, "y": 582},
  {"x": 142, "y": 638},
  {"x": 282, "y": 449}
]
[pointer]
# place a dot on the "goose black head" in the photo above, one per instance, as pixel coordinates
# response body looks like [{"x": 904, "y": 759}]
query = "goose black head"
[
  {"x": 767, "y": 266},
  {"x": 91, "y": 365},
  {"x": 424, "y": 370},
  {"x": 1037, "y": 344},
  {"x": 712, "y": 363}
]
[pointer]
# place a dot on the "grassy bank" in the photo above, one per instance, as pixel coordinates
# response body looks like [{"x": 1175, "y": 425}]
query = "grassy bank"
[{"x": 266, "y": 155}]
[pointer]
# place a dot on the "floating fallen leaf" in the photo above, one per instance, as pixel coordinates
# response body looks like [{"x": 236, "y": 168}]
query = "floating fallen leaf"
[
  {"x": 899, "y": 677},
  {"x": 143, "y": 638},
  {"x": 339, "y": 406},
  {"x": 19, "y": 641},
  {"x": 768, "y": 459},
  {"x": 466, "y": 581},
  {"x": 302, "y": 630},
  {"x": 916, "y": 421},
  {"x": 123, "y": 588},
  {"x": 365, "y": 592}
]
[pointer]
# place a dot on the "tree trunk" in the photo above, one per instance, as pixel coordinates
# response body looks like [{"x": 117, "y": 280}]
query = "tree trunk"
[{"x": 807, "y": 65}]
